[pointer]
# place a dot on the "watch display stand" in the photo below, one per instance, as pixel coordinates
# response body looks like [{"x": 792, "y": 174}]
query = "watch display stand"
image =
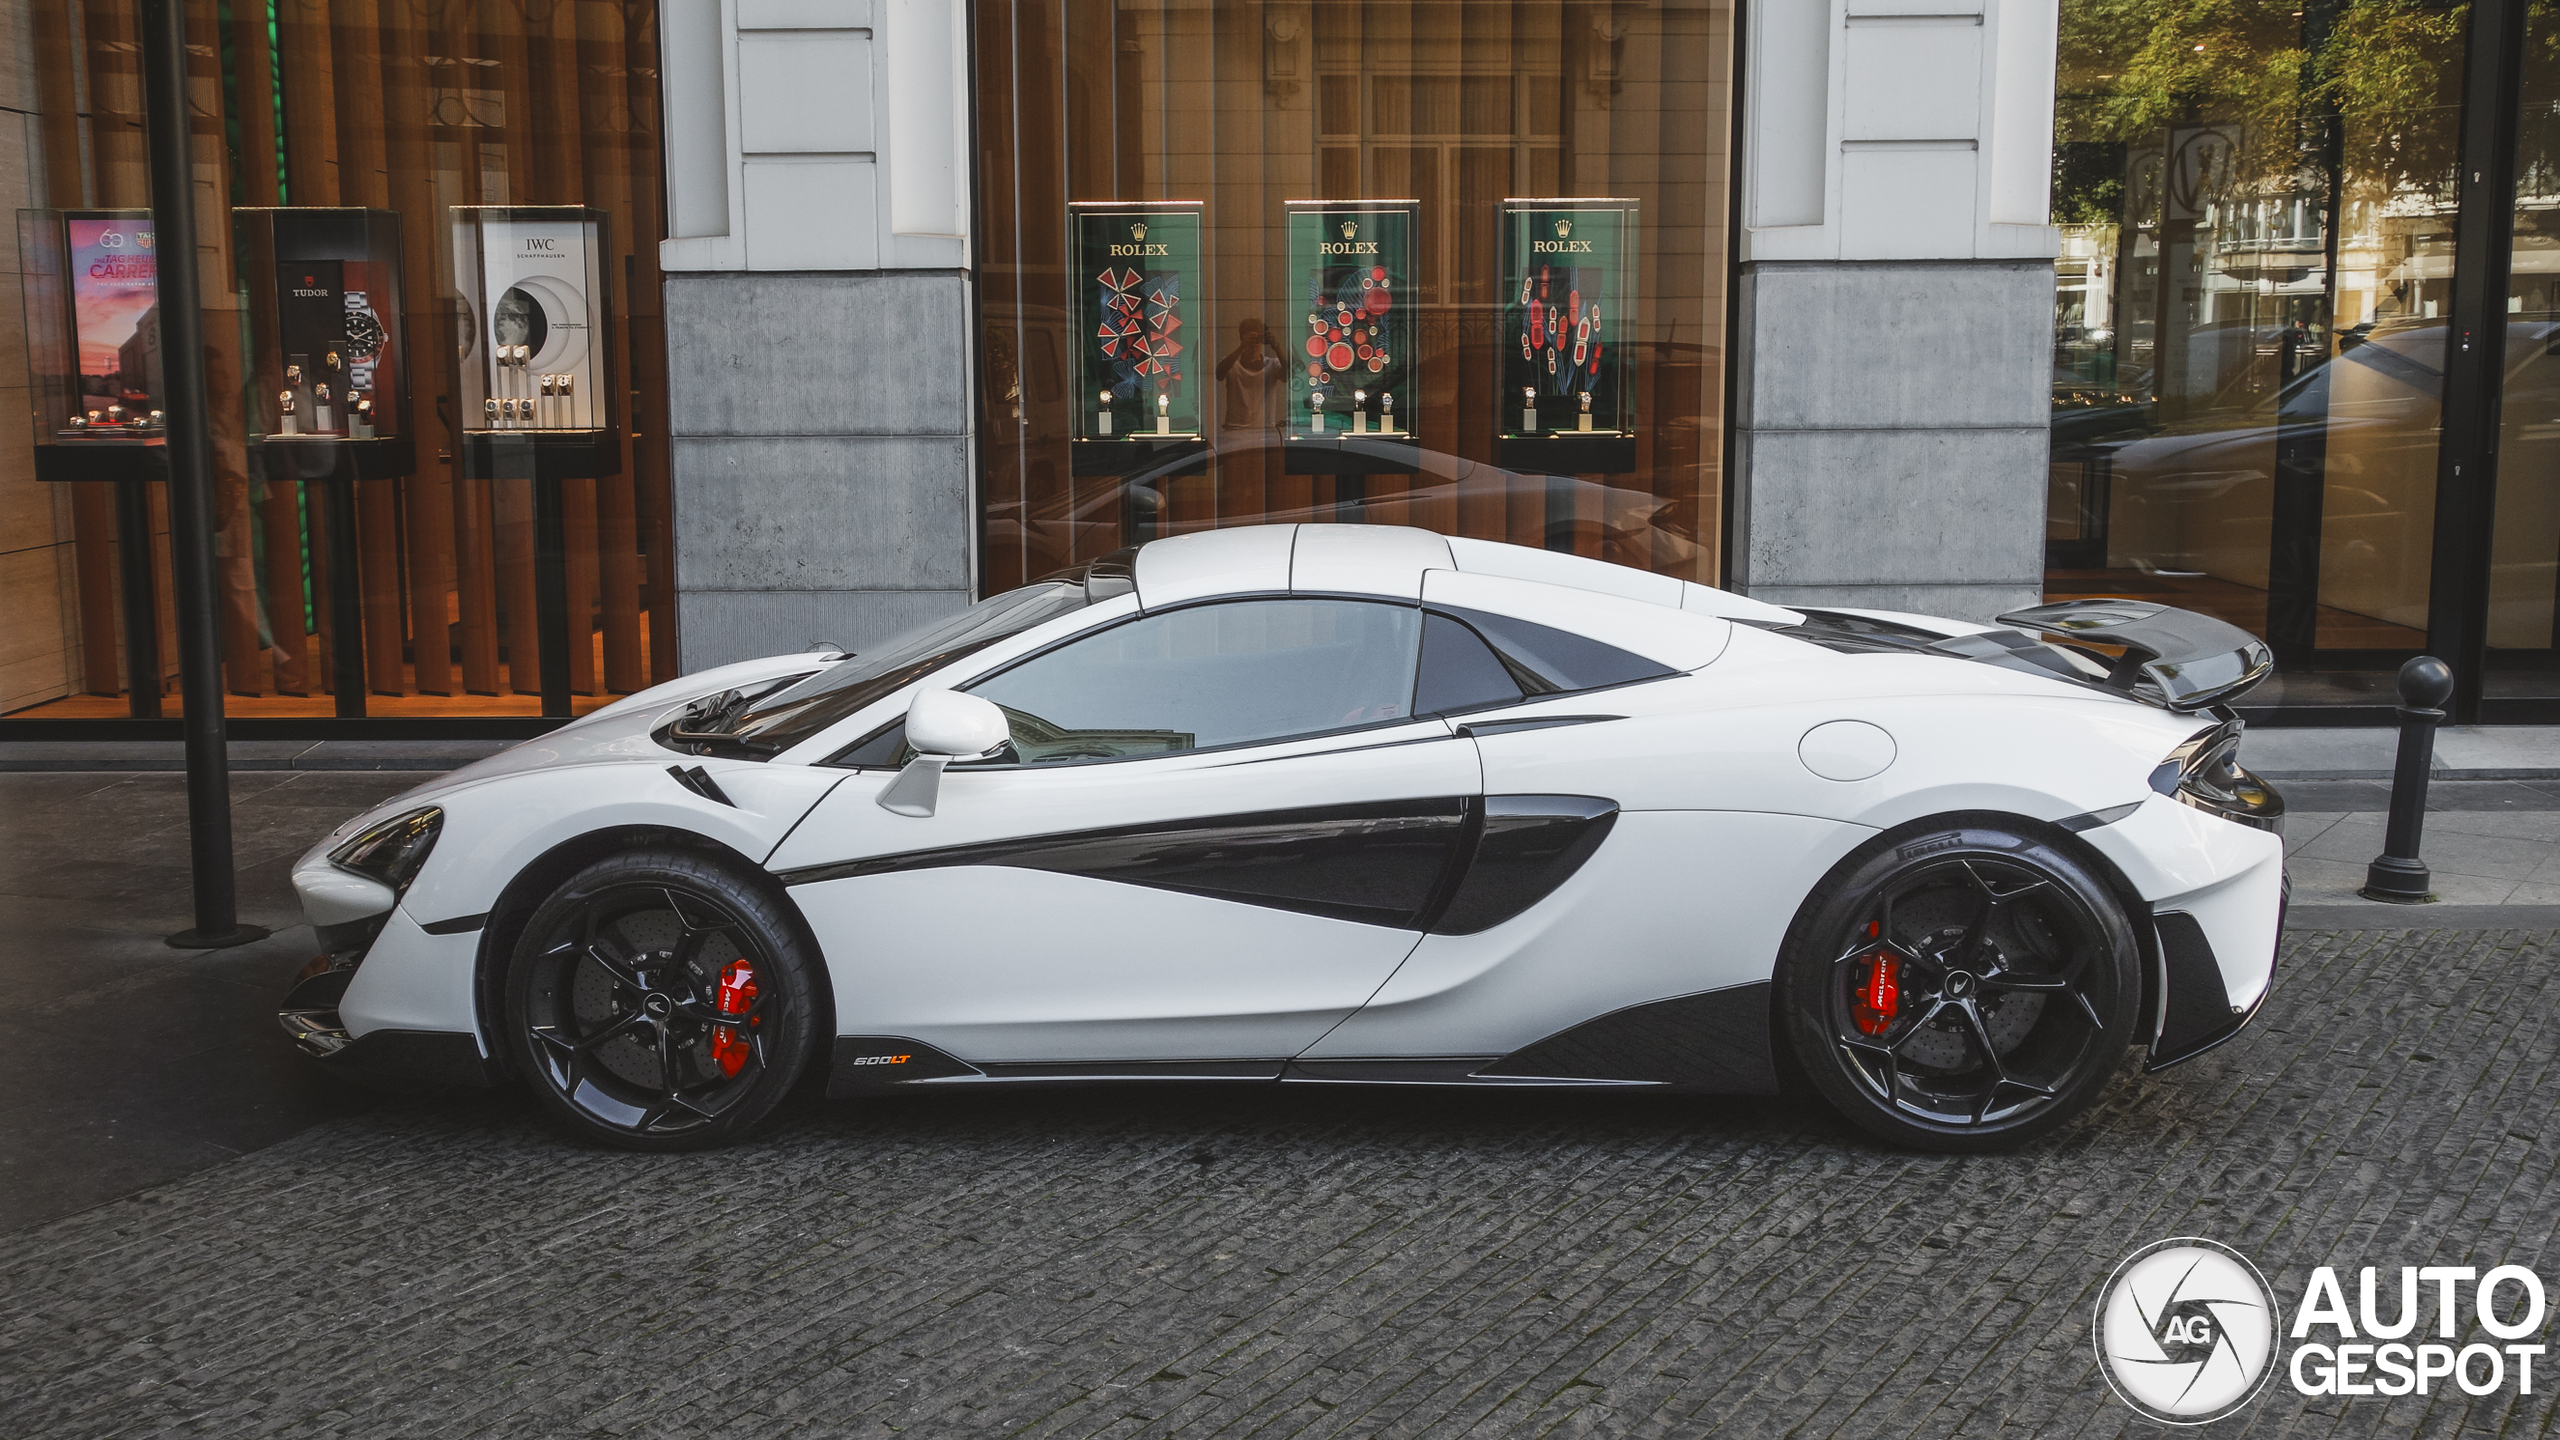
[
  {"x": 1569, "y": 313},
  {"x": 1142, "y": 453},
  {"x": 1358, "y": 433},
  {"x": 90, "y": 280},
  {"x": 329, "y": 362},
  {"x": 537, "y": 382},
  {"x": 536, "y": 393},
  {"x": 1569, "y": 453}
]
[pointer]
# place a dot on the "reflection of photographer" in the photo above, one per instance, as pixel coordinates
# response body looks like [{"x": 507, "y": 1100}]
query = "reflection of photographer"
[{"x": 1248, "y": 373}]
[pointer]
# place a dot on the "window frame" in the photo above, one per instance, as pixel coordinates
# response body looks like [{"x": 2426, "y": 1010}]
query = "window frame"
[
  {"x": 1448, "y": 720},
  {"x": 1393, "y": 602}
]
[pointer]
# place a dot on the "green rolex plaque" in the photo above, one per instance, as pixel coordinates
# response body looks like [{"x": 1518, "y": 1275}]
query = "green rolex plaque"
[
  {"x": 1568, "y": 305},
  {"x": 1133, "y": 265},
  {"x": 1352, "y": 310}
]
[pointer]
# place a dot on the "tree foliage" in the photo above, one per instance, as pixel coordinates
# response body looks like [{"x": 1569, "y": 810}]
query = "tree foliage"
[{"x": 2286, "y": 79}]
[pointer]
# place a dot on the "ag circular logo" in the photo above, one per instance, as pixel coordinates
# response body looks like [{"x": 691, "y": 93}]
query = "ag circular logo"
[{"x": 2186, "y": 1331}]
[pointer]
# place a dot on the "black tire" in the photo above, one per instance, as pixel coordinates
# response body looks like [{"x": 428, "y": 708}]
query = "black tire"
[
  {"x": 2013, "y": 987},
  {"x": 614, "y": 1001}
]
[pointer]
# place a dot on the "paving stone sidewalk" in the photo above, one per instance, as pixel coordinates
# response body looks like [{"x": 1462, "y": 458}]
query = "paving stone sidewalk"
[{"x": 1307, "y": 1262}]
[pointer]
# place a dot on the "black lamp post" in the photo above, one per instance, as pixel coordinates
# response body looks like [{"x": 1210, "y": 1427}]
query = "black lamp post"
[{"x": 173, "y": 221}]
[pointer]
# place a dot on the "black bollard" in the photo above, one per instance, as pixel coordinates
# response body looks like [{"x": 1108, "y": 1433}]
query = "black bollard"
[{"x": 2397, "y": 874}]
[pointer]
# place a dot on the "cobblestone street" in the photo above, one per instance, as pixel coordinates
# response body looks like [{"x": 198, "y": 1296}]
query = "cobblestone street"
[{"x": 1306, "y": 1262}]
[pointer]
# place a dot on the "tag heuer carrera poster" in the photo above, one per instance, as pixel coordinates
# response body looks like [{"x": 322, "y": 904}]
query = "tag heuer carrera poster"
[
  {"x": 1568, "y": 302},
  {"x": 1132, "y": 266},
  {"x": 1351, "y": 273}
]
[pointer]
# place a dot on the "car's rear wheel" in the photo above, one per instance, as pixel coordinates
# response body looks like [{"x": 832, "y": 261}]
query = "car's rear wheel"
[
  {"x": 1967, "y": 988},
  {"x": 662, "y": 1000}
]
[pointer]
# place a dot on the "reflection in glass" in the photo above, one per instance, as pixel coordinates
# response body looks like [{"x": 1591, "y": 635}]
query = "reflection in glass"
[
  {"x": 2524, "y": 557},
  {"x": 2257, "y": 212},
  {"x": 1413, "y": 124}
]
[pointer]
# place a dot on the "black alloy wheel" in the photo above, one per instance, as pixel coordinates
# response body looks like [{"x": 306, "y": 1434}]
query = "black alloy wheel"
[
  {"x": 662, "y": 1001},
  {"x": 1961, "y": 989}
]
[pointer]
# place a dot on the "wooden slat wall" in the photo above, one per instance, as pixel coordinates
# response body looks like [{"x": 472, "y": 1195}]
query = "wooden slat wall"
[
  {"x": 93, "y": 524},
  {"x": 426, "y": 498},
  {"x": 411, "y": 108},
  {"x": 1004, "y": 358},
  {"x": 601, "y": 121}
]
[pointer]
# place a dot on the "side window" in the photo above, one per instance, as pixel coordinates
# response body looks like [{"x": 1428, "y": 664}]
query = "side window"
[
  {"x": 1547, "y": 661},
  {"x": 1483, "y": 661},
  {"x": 1212, "y": 675},
  {"x": 1460, "y": 672}
]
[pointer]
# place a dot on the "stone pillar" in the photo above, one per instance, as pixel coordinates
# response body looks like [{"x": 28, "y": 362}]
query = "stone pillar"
[
  {"x": 818, "y": 321},
  {"x": 1893, "y": 324}
]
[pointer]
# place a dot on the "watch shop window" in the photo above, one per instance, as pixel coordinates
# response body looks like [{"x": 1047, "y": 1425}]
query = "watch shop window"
[
  {"x": 1460, "y": 265},
  {"x": 429, "y": 257}
]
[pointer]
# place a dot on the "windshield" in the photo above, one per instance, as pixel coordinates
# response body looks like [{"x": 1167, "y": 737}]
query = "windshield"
[{"x": 769, "y": 724}]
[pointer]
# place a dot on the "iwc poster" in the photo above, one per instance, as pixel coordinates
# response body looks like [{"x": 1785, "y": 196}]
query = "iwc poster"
[
  {"x": 532, "y": 349},
  {"x": 1133, "y": 263},
  {"x": 1568, "y": 301},
  {"x": 1351, "y": 269}
]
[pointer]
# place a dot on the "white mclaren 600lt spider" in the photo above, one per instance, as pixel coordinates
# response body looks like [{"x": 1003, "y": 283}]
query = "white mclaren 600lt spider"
[{"x": 1340, "y": 804}]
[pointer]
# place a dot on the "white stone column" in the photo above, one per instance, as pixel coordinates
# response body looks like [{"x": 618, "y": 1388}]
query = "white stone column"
[
  {"x": 817, "y": 319},
  {"x": 1893, "y": 327}
]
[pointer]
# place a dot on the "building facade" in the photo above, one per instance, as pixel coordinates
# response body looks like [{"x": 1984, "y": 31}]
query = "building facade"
[
  {"x": 826, "y": 317},
  {"x": 1839, "y": 330}
]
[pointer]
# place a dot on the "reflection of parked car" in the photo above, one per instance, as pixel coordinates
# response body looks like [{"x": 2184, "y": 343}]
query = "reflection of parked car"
[
  {"x": 2087, "y": 412},
  {"x": 2199, "y": 495},
  {"x": 1615, "y": 518}
]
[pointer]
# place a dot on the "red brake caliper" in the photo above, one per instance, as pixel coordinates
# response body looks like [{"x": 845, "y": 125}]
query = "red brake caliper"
[
  {"x": 1879, "y": 992},
  {"x": 737, "y": 992}
]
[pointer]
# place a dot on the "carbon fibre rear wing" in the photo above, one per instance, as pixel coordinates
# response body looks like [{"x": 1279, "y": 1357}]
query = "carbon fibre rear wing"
[{"x": 2192, "y": 661}]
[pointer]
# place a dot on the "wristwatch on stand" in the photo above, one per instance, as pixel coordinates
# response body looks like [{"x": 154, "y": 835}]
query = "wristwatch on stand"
[{"x": 365, "y": 339}]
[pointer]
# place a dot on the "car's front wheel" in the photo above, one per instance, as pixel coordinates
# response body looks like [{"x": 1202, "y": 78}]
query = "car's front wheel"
[
  {"x": 1966, "y": 988},
  {"x": 662, "y": 1000}
]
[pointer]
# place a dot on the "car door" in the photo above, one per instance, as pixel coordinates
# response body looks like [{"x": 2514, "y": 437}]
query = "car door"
[{"x": 1217, "y": 835}]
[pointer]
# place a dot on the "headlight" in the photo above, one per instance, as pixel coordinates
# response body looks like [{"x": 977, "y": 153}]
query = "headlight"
[
  {"x": 2205, "y": 772},
  {"x": 393, "y": 850}
]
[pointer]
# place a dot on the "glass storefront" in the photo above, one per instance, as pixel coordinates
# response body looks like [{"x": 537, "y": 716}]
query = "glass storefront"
[
  {"x": 2524, "y": 565},
  {"x": 1460, "y": 265},
  {"x": 2253, "y": 309},
  {"x": 437, "y": 375}
]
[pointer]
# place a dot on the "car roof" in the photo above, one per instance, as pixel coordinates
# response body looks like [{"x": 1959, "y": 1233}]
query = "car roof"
[{"x": 1391, "y": 560}]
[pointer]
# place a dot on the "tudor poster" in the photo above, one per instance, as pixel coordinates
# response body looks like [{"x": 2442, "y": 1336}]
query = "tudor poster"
[
  {"x": 1351, "y": 277},
  {"x": 1569, "y": 313},
  {"x": 1134, "y": 265}
]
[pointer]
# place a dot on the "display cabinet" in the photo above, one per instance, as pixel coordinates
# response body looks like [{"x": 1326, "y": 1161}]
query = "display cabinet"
[
  {"x": 328, "y": 358},
  {"x": 536, "y": 380},
  {"x": 1567, "y": 290},
  {"x": 1136, "y": 400},
  {"x": 91, "y": 284},
  {"x": 1351, "y": 270}
]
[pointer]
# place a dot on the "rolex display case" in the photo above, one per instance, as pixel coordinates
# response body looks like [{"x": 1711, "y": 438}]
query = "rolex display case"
[
  {"x": 1137, "y": 397},
  {"x": 329, "y": 372},
  {"x": 1351, "y": 272},
  {"x": 1568, "y": 299},
  {"x": 536, "y": 389},
  {"x": 92, "y": 290}
]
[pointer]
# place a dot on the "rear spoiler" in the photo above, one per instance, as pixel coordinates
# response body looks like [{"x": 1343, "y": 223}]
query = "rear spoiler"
[{"x": 2195, "y": 661}]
